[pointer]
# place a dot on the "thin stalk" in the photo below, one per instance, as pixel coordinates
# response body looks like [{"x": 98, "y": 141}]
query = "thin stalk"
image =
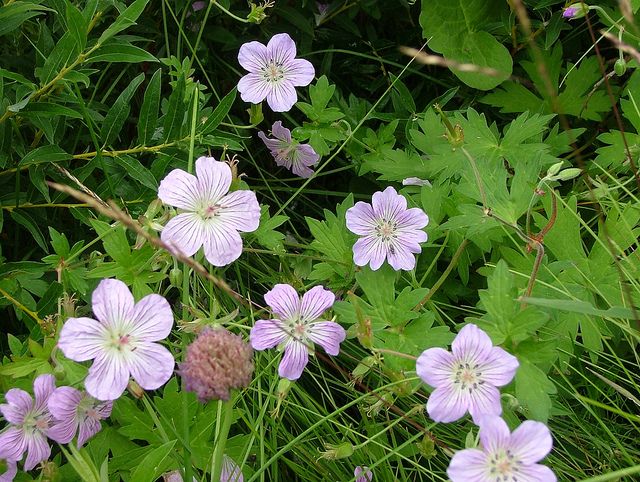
[{"x": 221, "y": 440}]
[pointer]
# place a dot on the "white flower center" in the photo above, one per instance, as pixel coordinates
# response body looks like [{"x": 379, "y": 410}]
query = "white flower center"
[
  {"x": 273, "y": 72},
  {"x": 467, "y": 376},
  {"x": 503, "y": 466},
  {"x": 35, "y": 422},
  {"x": 118, "y": 340},
  {"x": 210, "y": 211},
  {"x": 386, "y": 230}
]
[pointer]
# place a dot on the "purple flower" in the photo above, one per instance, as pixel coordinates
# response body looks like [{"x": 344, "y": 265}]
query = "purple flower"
[
  {"x": 363, "y": 474},
  {"x": 389, "y": 231},
  {"x": 295, "y": 328},
  {"x": 505, "y": 455},
  {"x": 212, "y": 215},
  {"x": 196, "y": 6},
  {"x": 466, "y": 379},
  {"x": 296, "y": 157},
  {"x": 569, "y": 12},
  {"x": 230, "y": 471},
  {"x": 273, "y": 72},
  {"x": 11, "y": 469},
  {"x": 29, "y": 423},
  {"x": 121, "y": 341},
  {"x": 75, "y": 411}
]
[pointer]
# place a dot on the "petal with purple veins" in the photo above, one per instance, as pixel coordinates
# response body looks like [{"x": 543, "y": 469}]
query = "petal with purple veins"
[
  {"x": 185, "y": 232},
  {"x": 107, "y": 377},
  {"x": 315, "y": 302},
  {"x": 468, "y": 465},
  {"x": 151, "y": 365},
  {"x": 252, "y": 56},
  {"x": 82, "y": 339},
  {"x": 300, "y": 72},
  {"x": 281, "y": 49},
  {"x": 180, "y": 189},
  {"x": 283, "y": 301},
  {"x": 267, "y": 334},
  {"x": 471, "y": 344},
  {"x": 38, "y": 450},
  {"x": 214, "y": 178},
  {"x": 222, "y": 244},
  {"x": 112, "y": 302},
  {"x": 253, "y": 88},
  {"x": 447, "y": 404},
  {"x": 296, "y": 357},
  {"x": 152, "y": 318},
  {"x": 282, "y": 96},
  {"x": 328, "y": 335},
  {"x": 531, "y": 442},
  {"x": 435, "y": 367},
  {"x": 240, "y": 210}
]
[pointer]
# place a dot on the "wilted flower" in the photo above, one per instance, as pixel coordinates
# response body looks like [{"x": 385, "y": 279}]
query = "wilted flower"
[
  {"x": 296, "y": 329},
  {"x": 415, "y": 181},
  {"x": 121, "y": 341},
  {"x": 75, "y": 411},
  {"x": 504, "y": 455},
  {"x": 389, "y": 231},
  {"x": 29, "y": 423},
  {"x": 213, "y": 216},
  {"x": 466, "y": 379},
  {"x": 363, "y": 474},
  {"x": 216, "y": 362},
  {"x": 8, "y": 470},
  {"x": 230, "y": 471},
  {"x": 274, "y": 72},
  {"x": 289, "y": 153}
]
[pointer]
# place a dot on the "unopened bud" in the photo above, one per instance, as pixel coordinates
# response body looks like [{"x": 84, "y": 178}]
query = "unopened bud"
[
  {"x": 575, "y": 10},
  {"x": 569, "y": 174},
  {"x": 334, "y": 452},
  {"x": 134, "y": 389},
  {"x": 555, "y": 169},
  {"x": 59, "y": 372},
  {"x": 470, "y": 441},
  {"x": 427, "y": 447},
  {"x": 175, "y": 277},
  {"x": 620, "y": 67}
]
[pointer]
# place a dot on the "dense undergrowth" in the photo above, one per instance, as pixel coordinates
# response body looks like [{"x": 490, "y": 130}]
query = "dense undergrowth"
[{"x": 515, "y": 126}]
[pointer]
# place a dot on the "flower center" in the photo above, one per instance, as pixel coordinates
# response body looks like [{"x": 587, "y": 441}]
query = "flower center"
[
  {"x": 35, "y": 422},
  {"x": 386, "y": 230},
  {"x": 273, "y": 72},
  {"x": 210, "y": 211},
  {"x": 467, "y": 376},
  {"x": 121, "y": 342},
  {"x": 503, "y": 466}
]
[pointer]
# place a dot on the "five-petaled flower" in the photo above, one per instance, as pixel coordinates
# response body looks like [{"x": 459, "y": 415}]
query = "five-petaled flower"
[
  {"x": 121, "y": 341},
  {"x": 212, "y": 215},
  {"x": 295, "y": 327},
  {"x": 75, "y": 411},
  {"x": 29, "y": 423},
  {"x": 230, "y": 470},
  {"x": 289, "y": 153},
  {"x": 274, "y": 72},
  {"x": 389, "y": 231},
  {"x": 363, "y": 474},
  {"x": 505, "y": 456},
  {"x": 466, "y": 379}
]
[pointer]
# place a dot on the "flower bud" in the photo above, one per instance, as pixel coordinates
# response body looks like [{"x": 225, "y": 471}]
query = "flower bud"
[
  {"x": 569, "y": 174},
  {"x": 427, "y": 447},
  {"x": 620, "y": 67},
  {"x": 575, "y": 10},
  {"x": 217, "y": 362},
  {"x": 175, "y": 277},
  {"x": 553, "y": 170},
  {"x": 335, "y": 452}
]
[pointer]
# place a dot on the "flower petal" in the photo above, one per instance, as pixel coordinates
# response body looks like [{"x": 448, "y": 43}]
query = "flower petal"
[
  {"x": 434, "y": 367},
  {"x": 494, "y": 433},
  {"x": 13, "y": 444},
  {"x": 296, "y": 357},
  {"x": 11, "y": 471},
  {"x": 180, "y": 189},
  {"x": 363, "y": 474},
  {"x": 401, "y": 258},
  {"x": 230, "y": 471},
  {"x": 299, "y": 169},
  {"x": 306, "y": 155},
  {"x": 446, "y": 404},
  {"x": 472, "y": 344},
  {"x": 282, "y": 96},
  {"x": 468, "y": 465},
  {"x": 315, "y": 302},
  {"x": 87, "y": 429},
  {"x": 283, "y": 301},
  {"x": 536, "y": 473},
  {"x": 43, "y": 387},
  {"x": 499, "y": 367},
  {"x": 108, "y": 377},
  {"x": 63, "y": 403},
  {"x": 151, "y": 365},
  {"x": 272, "y": 144},
  {"x": 531, "y": 442},
  {"x": 413, "y": 219},
  {"x": 369, "y": 250},
  {"x": 361, "y": 219},
  {"x": 20, "y": 402},
  {"x": 63, "y": 431},
  {"x": 152, "y": 318},
  {"x": 240, "y": 210},
  {"x": 112, "y": 302},
  {"x": 253, "y": 88},
  {"x": 38, "y": 450},
  {"x": 81, "y": 339},
  {"x": 281, "y": 132},
  {"x": 222, "y": 244},
  {"x": 214, "y": 178},
  {"x": 388, "y": 204},
  {"x": 328, "y": 335},
  {"x": 484, "y": 400},
  {"x": 252, "y": 56},
  {"x": 184, "y": 232},
  {"x": 300, "y": 72},
  {"x": 281, "y": 49},
  {"x": 267, "y": 334}
]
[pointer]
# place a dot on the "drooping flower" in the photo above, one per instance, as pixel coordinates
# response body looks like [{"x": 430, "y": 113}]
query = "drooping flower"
[
  {"x": 216, "y": 362},
  {"x": 389, "y": 231},
  {"x": 289, "y": 153},
  {"x": 76, "y": 412},
  {"x": 505, "y": 456},
  {"x": 120, "y": 341},
  {"x": 29, "y": 423},
  {"x": 212, "y": 215},
  {"x": 363, "y": 474},
  {"x": 230, "y": 471},
  {"x": 575, "y": 10},
  {"x": 8, "y": 470},
  {"x": 467, "y": 378},
  {"x": 295, "y": 327},
  {"x": 274, "y": 72}
]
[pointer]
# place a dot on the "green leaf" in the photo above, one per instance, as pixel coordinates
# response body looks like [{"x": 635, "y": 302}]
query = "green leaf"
[
  {"x": 25, "y": 219},
  {"x": 125, "y": 20},
  {"x": 62, "y": 54},
  {"x": 219, "y": 113},
  {"x": 266, "y": 234},
  {"x": 114, "y": 240},
  {"x": 176, "y": 109},
  {"x": 16, "y": 13},
  {"x": 148, "y": 118},
  {"x": 59, "y": 242},
  {"x": 76, "y": 25},
  {"x": 153, "y": 464},
  {"x": 533, "y": 388},
  {"x": 121, "y": 52},
  {"x": 582, "y": 307},
  {"x": 46, "y": 109},
  {"x": 136, "y": 170},
  {"x": 45, "y": 154},
  {"x": 119, "y": 112}
]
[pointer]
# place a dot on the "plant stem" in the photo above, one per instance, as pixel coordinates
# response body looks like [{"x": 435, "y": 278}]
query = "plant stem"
[{"x": 221, "y": 440}]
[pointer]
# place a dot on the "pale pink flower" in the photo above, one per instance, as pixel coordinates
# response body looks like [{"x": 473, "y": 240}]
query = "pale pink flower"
[
  {"x": 230, "y": 471},
  {"x": 363, "y": 474},
  {"x": 11, "y": 469},
  {"x": 505, "y": 456},
  {"x": 296, "y": 329},
  {"x": 75, "y": 411},
  {"x": 274, "y": 72},
  {"x": 29, "y": 423},
  {"x": 289, "y": 153},
  {"x": 212, "y": 216},
  {"x": 120, "y": 341},
  {"x": 467, "y": 378}
]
